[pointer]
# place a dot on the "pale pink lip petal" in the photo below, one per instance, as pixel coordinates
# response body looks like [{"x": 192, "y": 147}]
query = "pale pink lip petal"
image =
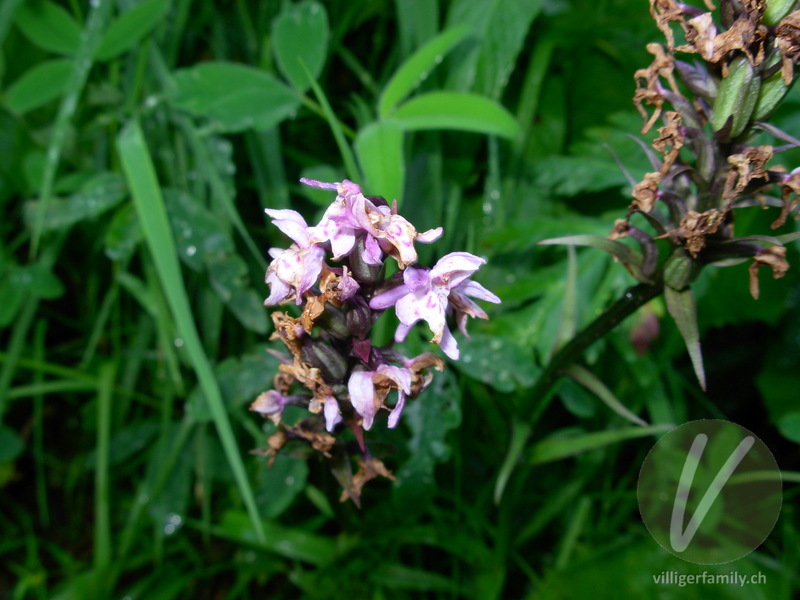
[
  {"x": 401, "y": 333},
  {"x": 333, "y": 416},
  {"x": 426, "y": 237},
  {"x": 448, "y": 344},
  {"x": 362, "y": 396},
  {"x": 401, "y": 376},
  {"x": 279, "y": 291},
  {"x": 394, "y": 416}
]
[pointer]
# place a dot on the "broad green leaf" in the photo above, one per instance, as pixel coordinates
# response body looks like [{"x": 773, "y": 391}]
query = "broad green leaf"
[
  {"x": 39, "y": 85},
  {"x": 96, "y": 196},
  {"x": 501, "y": 363},
  {"x": 430, "y": 417},
  {"x": 501, "y": 27},
  {"x": 592, "y": 383},
  {"x": 277, "y": 486},
  {"x": 417, "y": 67},
  {"x": 300, "y": 33},
  {"x": 417, "y": 22},
  {"x": 21, "y": 282},
  {"x": 400, "y": 577},
  {"x": 236, "y": 96},
  {"x": 140, "y": 173},
  {"x": 49, "y": 26},
  {"x": 681, "y": 307},
  {"x": 123, "y": 234},
  {"x": 627, "y": 256},
  {"x": 456, "y": 110},
  {"x": 379, "y": 147},
  {"x": 205, "y": 243},
  {"x": 230, "y": 279},
  {"x": 292, "y": 543},
  {"x": 240, "y": 380},
  {"x": 564, "y": 446},
  {"x": 129, "y": 29}
]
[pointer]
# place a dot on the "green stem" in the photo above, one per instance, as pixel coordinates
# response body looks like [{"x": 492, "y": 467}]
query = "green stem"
[
  {"x": 530, "y": 410},
  {"x": 632, "y": 300}
]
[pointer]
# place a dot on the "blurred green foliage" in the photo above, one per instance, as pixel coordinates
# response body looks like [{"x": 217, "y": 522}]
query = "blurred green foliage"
[{"x": 140, "y": 142}]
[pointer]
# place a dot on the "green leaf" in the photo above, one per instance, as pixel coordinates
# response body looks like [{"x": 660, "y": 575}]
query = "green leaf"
[
  {"x": 278, "y": 485},
  {"x": 99, "y": 194},
  {"x": 501, "y": 363},
  {"x": 49, "y": 26},
  {"x": 682, "y": 307},
  {"x": 501, "y": 27},
  {"x": 627, "y": 256},
  {"x": 205, "y": 243},
  {"x": 11, "y": 444},
  {"x": 129, "y": 29},
  {"x": 789, "y": 426},
  {"x": 289, "y": 542},
  {"x": 237, "y": 97},
  {"x": 430, "y": 418},
  {"x": 457, "y": 110},
  {"x": 141, "y": 176},
  {"x": 379, "y": 147},
  {"x": 123, "y": 234},
  {"x": 300, "y": 33},
  {"x": 588, "y": 380},
  {"x": 564, "y": 446},
  {"x": 417, "y": 67},
  {"x": 39, "y": 85}
]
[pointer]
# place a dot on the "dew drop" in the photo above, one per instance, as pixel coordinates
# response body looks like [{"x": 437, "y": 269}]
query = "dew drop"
[
  {"x": 178, "y": 343},
  {"x": 191, "y": 251}
]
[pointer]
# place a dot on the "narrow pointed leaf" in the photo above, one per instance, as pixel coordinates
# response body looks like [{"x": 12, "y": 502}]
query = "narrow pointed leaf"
[
  {"x": 588, "y": 380},
  {"x": 140, "y": 173},
  {"x": 49, "y": 26},
  {"x": 627, "y": 256},
  {"x": 682, "y": 307},
  {"x": 556, "y": 448}
]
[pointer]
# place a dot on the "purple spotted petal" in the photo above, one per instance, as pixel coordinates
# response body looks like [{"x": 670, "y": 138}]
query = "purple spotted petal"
[
  {"x": 389, "y": 297},
  {"x": 401, "y": 376},
  {"x": 291, "y": 223},
  {"x": 415, "y": 277},
  {"x": 362, "y": 396}
]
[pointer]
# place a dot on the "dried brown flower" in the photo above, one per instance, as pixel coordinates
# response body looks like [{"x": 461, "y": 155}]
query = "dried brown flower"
[{"x": 773, "y": 257}]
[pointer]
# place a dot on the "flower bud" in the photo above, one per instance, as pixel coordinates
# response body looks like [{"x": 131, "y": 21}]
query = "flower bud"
[
  {"x": 359, "y": 318},
  {"x": 333, "y": 321},
  {"x": 680, "y": 270},
  {"x": 321, "y": 355}
]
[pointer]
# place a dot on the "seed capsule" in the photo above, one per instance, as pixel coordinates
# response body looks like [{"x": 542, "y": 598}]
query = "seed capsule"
[{"x": 738, "y": 94}]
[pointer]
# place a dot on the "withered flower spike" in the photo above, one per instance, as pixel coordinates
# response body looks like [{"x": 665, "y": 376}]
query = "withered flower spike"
[
  {"x": 670, "y": 140},
  {"x": 787, "y": 36},
  {"x": 745, "y": 167},
  {"x": 645, "y": 193},
  {"x": 773, "y": 257},
  {"x": 664, "y": 12},
  {"x": 789, "y": 187},
  {"x": 662, "y": 66},
  {"x": 695, "y": 227}
]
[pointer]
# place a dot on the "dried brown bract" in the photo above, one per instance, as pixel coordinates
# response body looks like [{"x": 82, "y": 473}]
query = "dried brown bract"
[{"x": 773, "y": 257}]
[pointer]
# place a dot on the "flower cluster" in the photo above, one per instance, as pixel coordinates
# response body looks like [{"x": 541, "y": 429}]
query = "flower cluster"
[{"x": 332, "y": 367}]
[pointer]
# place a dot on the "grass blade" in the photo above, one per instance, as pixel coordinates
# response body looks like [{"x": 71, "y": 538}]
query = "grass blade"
[
  {"x": 92, "y": 34},
  {"x": 102, "y": 512},
  {"x": 139, "y": 170}
]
